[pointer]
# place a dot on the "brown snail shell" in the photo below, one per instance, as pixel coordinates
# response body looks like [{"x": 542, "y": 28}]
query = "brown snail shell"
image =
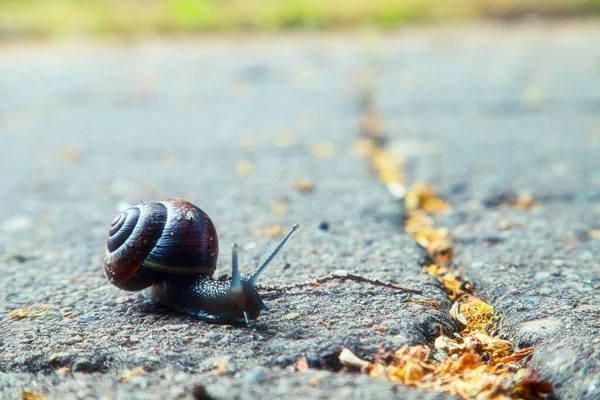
[{"x": 148, "y": 239}]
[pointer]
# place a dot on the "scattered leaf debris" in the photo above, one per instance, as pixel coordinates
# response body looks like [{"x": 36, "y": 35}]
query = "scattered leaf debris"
[
  {"x": 451, "y": 280},
  {"x": 436, "y": 241},
  {"x": 476, "y": 363},
  {"x": 422, "y": 196},
  {"x": 132, "y": 373},
  {"x": 271, "y": 231},
  {"x": 302, "y": 364},
  {"x": 304, "y": 186},
  {"x": 371, "y": 125},
  {"x": 278, "y": 206},
  {"x": 243, "y": 168},
  {"x": 221, "y": 367},
  {"x": 594, "y": 233},
  {"x": 37, "y": 310},
  {"x": 32, "y": 395},
  {"x": 315, "y": 381},
  {"x": 523, "y": 200},
  {"x": 467, "y": 375}
]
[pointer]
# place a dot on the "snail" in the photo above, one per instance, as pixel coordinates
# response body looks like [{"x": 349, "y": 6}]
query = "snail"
[{"x": 169, "y": 250}]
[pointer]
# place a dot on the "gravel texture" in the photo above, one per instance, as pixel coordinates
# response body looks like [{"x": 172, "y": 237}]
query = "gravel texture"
[{"x": 231, "y": 125}]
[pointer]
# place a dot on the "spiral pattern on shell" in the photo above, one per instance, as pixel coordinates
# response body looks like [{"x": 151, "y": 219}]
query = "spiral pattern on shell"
[{"x": 149, "y": 240}]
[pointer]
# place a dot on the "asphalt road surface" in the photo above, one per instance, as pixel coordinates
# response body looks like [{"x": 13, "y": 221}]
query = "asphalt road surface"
[{"x": 481, "y": 112}]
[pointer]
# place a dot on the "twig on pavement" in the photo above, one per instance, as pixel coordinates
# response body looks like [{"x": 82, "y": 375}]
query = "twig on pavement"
[{"x": 337, "y": 275}]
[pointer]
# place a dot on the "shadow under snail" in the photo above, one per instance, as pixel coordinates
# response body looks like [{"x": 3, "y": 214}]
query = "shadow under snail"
[{"x": 169, "y": 250}]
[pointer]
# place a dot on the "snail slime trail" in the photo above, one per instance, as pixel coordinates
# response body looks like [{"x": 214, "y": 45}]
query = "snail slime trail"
[{"x": 169, "y": 249}]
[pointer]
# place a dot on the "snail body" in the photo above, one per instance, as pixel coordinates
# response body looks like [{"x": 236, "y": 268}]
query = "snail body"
[{"x": 169, "y": 250}]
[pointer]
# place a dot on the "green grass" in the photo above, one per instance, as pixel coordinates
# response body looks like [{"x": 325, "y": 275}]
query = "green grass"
[{"x": 51, "y": 18}]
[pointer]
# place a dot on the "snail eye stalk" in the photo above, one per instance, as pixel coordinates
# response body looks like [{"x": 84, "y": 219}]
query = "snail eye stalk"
[
  {"x": 236, "y": 276},
  {"x": 256, "y": 274}
]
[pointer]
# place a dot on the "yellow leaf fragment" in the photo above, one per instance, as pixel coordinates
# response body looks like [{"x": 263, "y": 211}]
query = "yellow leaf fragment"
[
  {"x": 461, "y": 372},
  {"x": 132, "y": 373},
  {"x": 364, "y": 147},
  {"x": 221, "y": 367},
  {"x": 371, "y": 125},
  {"x": 278, "y": 206},
  {"x": 32, "y": 395},
  {"x": 451, "y": 280},
  {"x": 271, "y": 231},
  {"x": 594, "y": 233},
  {"x": 315, "y": 381},
  {"x": 304, "y": 185},
  {"x": 243, "y": 168},
  {"x": 525, "y": 201},
  {"x": 302, "y": 364},
  {"x": 422, "y": 196},
  {"x": 479, "y": 314},
  {"x": 36, "y": 310},
  {"x": 387, "y": 166}
]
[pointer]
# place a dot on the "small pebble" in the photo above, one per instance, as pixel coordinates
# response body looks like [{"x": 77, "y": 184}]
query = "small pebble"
[
  {"x": 86, "y": 365},
  {"x": 256, "y": 376},
  {"x": 291, "y": 316},
  {"x": 85, "y": 319},
  {"x": 324, "y": 226},
  {"x": 175, "y": 327}
]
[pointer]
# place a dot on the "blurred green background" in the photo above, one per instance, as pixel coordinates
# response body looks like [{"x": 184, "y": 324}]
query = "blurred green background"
[{"x": 59, "y": 18}]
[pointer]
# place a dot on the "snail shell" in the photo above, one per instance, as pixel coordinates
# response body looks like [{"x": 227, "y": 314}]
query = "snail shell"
[{"x": 149, "y": 240}]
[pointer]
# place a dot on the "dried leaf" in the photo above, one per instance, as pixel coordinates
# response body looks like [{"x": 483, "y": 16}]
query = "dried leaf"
[
  {"x": 36, "y": 310},
  {"x": 221, "y": 367},
  {"x": 594, "y": 233},
  {"x": 32, "y": 395},
  {"x": 304, "y": 186},
  {"x": 302, "y": 364},
  {"x": 243, "y": 168},
  {"x": 457, "y": 316},
  {"x": 422, "y": 196},
  {"x": 271, "y": 231},
  {"x": 387, "y": 166},
  {"x": 278, "y": 206},
  {"x": 350, "y": 359},
  {"x": 314, "y": 381},
  {"x": 364, "y": 147},
  {"x": 371, "y": 125},
  {"x": 132, "y": 373},
  {"x": 525, "y": 201}
]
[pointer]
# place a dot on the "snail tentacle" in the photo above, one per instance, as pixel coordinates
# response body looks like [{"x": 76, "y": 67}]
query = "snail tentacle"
[{"x": 253, "y": 277}]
